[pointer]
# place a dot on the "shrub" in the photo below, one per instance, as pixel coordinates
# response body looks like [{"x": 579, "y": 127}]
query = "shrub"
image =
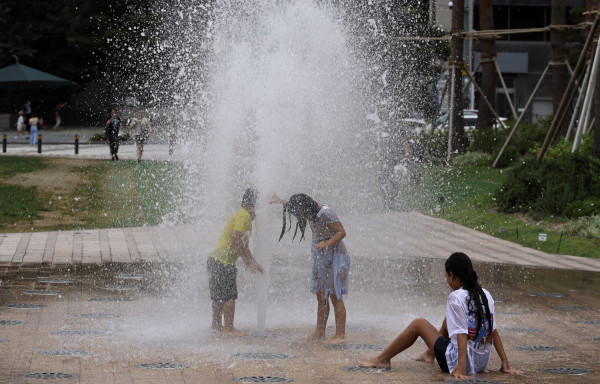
[
  {"x": 584, "y": 226},
  {"x": 550, "y": 187},
  {"x": 587, "y": 207}
]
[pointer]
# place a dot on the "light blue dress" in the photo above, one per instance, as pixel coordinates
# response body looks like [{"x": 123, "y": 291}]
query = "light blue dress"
[{"x": 330, "y": 267}]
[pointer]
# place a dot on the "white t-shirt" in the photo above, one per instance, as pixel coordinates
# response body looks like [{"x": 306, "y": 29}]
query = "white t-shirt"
[
  {"x": 20, "y": 123},
  {"x": 460, "y": 320}
]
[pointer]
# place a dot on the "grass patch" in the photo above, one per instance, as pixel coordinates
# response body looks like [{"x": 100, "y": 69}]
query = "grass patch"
[
  {"x": 465, "y": 196},
  {"x": 18, "y": 204},
  {"x": 128, "y": 194},
  {"x": 10, "y": 166}
]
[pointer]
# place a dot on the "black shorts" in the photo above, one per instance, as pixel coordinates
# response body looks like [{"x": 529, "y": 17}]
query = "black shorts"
[
  {"x": 439, "y": 350},
  {"x": 222, "y": 280}
]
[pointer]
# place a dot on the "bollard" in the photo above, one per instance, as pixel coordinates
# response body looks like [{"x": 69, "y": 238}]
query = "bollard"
[
  {"x": 39, "y": 143},
  {"x": 3, "y": 143},
  {"x": 76, "y": 144}
]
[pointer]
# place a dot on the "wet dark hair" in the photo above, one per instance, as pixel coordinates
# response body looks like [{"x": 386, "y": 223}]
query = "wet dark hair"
[
  {"x": 304, "y": 208},
  {"x": 461, "y": 266},
  {"x": 250, "y": 197}
]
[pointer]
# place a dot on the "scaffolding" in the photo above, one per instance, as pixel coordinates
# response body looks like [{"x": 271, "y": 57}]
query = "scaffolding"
[{"x": 582, "y": 88}]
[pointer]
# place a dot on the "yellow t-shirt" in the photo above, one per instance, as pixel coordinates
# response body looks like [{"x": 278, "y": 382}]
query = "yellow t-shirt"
[{"x": 224, "y": 251}]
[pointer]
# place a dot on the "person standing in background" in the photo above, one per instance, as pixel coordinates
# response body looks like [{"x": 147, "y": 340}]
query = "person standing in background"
[
  {"x": 112, "y": 128},
  {"x": 141, "y": 130},
  {"x": 57, "y": 112},
  {"x": 33, "y": 129}
]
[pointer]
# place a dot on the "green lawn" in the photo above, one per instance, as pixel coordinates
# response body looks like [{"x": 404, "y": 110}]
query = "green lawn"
[
  {"x": 466, "y": 196},
  {"x": 18, "y": 202}
]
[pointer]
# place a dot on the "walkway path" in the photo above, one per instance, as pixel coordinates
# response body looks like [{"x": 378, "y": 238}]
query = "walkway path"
[{"x": 395, "y": 234}]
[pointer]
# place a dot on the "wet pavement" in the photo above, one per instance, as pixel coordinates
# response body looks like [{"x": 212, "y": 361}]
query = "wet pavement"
[
  {"x": 130, "y": 305},
  {"x": 148, "y": 322}
]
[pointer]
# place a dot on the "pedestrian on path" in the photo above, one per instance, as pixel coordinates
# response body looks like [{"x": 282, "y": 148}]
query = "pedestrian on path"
[
  {"x": 20, "y": 125},
  {"x": 33, "y": 129},
  {"x": 57, "y": 111},
  {"x": 222, "y": 281},
  {"x": 330, "y": 260},
  {"x": 141, "y": 129},
  {"x": 112, "y": 128},
  {"x": 464, "y": 343}
]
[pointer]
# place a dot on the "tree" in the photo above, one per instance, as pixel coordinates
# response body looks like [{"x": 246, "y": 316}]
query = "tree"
[
  {"x": 457, "y": 138},
  {"x": 485, "y": 117},
  {"x": 558, "y": 56}
]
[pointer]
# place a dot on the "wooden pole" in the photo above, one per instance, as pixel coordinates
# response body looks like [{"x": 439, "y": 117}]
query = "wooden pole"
[
  {"x": 584, "y": 86},
  {"x": 587, "y": 102},
  {"x": 487, "y": 102},
  {"x": 512, "y": 107},
  {"x": 563, "y": 103},
  {"x": 521, "y": 116}
]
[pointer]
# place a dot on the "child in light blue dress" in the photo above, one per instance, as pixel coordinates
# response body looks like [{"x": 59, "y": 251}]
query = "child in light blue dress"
[{"x": 330, "y": 260}]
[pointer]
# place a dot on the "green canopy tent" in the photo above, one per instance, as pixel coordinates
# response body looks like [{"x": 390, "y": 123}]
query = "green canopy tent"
[{"x": 19, "y": 76}]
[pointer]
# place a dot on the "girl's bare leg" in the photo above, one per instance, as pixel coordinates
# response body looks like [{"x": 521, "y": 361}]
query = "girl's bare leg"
[
  {"x": 339, "y": 310},
  {"x": 418, "y": 328},
  {"x": 322, "y": 316},
  {"x": 428, "y": 356}
]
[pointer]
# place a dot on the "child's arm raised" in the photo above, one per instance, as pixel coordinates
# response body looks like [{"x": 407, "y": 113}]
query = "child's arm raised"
[
  {"x": 500, "y": 349},
  {"x": 460, "y": 371}
]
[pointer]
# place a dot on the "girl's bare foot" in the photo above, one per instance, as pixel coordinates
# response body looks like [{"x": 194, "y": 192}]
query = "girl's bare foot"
[
  {"x": 234, "y": 332},
  {"x": 216, "y": 328},
  {"x": 336, "y": 340},
  {"x": 315, "y": 337},
  {"x": 426, "y": 356},
  {"x": 375, "y": 362}
]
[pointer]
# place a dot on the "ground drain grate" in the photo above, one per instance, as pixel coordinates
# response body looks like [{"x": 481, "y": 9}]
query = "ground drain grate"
[
  {"x": 539, "y": 348},
  {"x": 523, "y": 330},
  {"x": 131, "y": 276},
  {"x": 119, "y": 288},
  {"x": 11, "y": 322},
  {"x": 473, "y": 381},
  {"x": 356, "y": 368},
  {"x": 548, "y": 294},
  {"x": 262, "y": 356},
  {"x": 45, "y": 292},
  {"x": 56, "y": 281},
  {"x": 262, "y": 379},
  {"x": 566, "y": 371},
  {"x": 162, "y": 365},
  {"x": 596, "y": 338},
  {"x": 100, "y": 315},
  {"x": 66, "y": 352},
  {"x": 110, "y": 299},
  {"x": 24, "y": 305},
  {"x": 354, "y": 347},
  {"x": 571, "y": 307},
  {"x": 592, "y": 322},
  {"x": 48, "y": 375},
  {"x": 80, "y": 332}
]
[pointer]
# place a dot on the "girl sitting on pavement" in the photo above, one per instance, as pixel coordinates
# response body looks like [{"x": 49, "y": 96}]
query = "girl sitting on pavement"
[{"x": 464, "y": 343}]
